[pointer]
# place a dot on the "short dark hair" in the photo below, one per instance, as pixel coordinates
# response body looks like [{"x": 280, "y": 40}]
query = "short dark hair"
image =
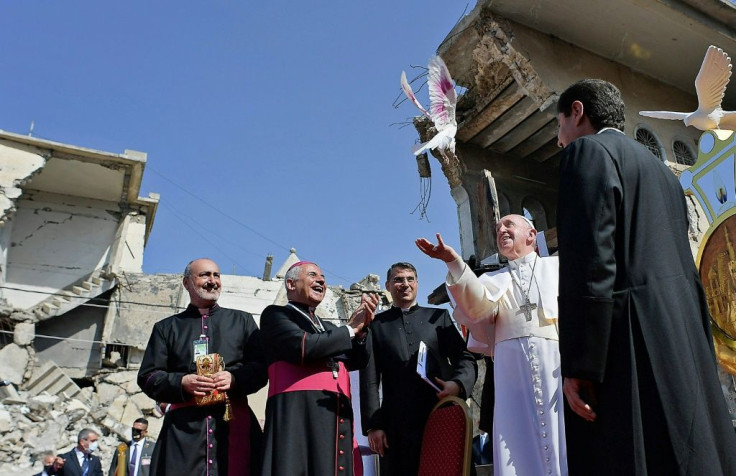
[
  {"x": 602, "y": 103},
  {"x": 141, "y": 420},
  {"x": 401, "y": 265}
]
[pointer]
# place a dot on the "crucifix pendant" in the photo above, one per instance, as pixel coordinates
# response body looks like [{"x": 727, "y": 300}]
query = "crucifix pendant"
[{"x": 527, "y": 309}]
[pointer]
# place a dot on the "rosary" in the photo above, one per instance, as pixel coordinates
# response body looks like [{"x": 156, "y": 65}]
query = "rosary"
[{"x": 528, "y": 306}]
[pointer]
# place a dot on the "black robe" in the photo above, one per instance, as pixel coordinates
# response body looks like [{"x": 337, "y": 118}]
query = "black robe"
[
  {"x": 182, "y": 447},
  {"x": 407, "y": 399},
  {"x": 308, "y": 432},
  {"x": 634, "y": 319}
]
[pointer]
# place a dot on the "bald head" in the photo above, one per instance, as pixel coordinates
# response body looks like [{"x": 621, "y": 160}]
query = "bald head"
[{"x": 202, "y": 282}]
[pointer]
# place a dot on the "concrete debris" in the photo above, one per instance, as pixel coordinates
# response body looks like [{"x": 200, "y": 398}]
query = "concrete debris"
[
  {"x": 24, "y": 333},
  {"x": 15, "y": 360},
  {"x": 31, "y": 425}
]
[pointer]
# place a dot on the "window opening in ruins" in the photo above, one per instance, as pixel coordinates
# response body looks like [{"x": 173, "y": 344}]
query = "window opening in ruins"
[
  {"x": 528, "y": 215},
  {"x": 116, "y": 355},
  {"x": 683, "y": 153},
  {"x": 650, "y": 141},
  {"x": 6, "y": 337},
  {"x": 534, "y": 211}
]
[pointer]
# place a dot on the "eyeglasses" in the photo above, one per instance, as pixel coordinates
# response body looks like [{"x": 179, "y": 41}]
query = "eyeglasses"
[{"x": 407, "y": 279}]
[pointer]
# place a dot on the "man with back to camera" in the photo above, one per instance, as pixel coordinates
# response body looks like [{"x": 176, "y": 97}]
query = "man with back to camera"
[
  {"x": 395, "y": 426},
  {"x": 637, "y": 352}
]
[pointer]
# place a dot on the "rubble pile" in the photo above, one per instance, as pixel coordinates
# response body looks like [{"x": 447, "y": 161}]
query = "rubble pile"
[{"x": 31, "y": 425}]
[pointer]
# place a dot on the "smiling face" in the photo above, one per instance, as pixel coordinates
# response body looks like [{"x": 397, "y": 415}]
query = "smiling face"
[
  {"x": 308, "y": 287},
  {"x": 203, "y": 283},
  {"x": 403, "y": 285},
  {"x": 514, "y": 237}
]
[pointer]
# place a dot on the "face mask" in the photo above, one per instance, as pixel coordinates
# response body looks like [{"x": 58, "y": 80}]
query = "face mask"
[
  {"x": 48, "y": 468},
  {"x": 93, "y": 447},
  {"x": 137, "y": 434}
]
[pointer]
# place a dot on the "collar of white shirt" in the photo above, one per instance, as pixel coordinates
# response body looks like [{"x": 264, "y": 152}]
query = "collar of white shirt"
[{"x": 526, "y": 259}]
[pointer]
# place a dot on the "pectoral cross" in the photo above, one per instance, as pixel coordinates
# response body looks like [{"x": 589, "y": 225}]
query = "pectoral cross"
[{"x": 527, "y": 309}]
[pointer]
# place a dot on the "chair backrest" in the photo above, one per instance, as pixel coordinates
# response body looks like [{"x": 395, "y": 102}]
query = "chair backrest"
[{"x": 447, "y": 442}]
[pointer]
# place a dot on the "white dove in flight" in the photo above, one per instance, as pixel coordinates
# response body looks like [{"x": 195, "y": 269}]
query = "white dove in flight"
[
  {"x": 710, "y": 86},
  {"x": 442, "y": 98}
]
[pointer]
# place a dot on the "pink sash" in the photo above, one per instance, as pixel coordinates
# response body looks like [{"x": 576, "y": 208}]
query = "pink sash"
[{"x": 285, "y": 377}]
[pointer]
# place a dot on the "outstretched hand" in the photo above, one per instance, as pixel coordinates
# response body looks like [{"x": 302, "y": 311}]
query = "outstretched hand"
[{"x": 439, "y": 251}]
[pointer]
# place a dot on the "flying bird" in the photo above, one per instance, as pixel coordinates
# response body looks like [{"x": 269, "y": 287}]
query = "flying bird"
[
  {"x": 442, "y": 99},
  {"x": 710, "y": 86}
]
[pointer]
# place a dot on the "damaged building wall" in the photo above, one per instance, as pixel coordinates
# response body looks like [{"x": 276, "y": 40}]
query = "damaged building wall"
[
  {"x": 71, "y": 222},
  {"x": 17, "y": 166},
  {"x": 56, "y": 241},
  {"x": 507, "y": 117},
  {"x": 76, "y": 347},
  {"x": 126, "y": 254}
]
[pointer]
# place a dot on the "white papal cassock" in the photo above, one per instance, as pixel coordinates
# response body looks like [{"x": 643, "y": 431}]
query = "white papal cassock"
[{"x": 528, "y": 426}]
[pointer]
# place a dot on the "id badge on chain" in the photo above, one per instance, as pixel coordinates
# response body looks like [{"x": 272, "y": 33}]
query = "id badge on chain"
[{"x": 200, "y": 346}]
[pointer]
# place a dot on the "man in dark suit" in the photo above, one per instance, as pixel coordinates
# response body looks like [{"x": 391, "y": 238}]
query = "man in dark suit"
[
  {"x": 635, "y": 341},
  {"x": 134, "y": 458},
  {"x": 396, "y": 425},
  {"x": 80, "y": 461},
  {"x": 48, "y": 465},
  {"x": 482, "y": 449}
]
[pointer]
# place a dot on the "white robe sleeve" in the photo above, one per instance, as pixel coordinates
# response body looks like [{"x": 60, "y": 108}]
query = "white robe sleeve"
[{"x": 476, "y": 306}]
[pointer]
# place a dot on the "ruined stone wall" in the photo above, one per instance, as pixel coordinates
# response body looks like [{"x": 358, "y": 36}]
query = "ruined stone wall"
[{"x": 33, "y": 425}]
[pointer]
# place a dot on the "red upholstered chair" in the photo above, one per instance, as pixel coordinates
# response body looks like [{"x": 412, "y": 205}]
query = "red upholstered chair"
[{"x": 446, "y": 444}]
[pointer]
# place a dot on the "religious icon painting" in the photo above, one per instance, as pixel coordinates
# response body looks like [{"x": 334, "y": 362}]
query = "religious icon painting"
[{"x": 712, "y": 181}]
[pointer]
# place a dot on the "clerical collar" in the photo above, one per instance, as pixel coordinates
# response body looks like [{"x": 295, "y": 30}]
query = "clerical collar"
[
  {"x": 409, "y": 309},
  {"x": 192, "y": 307},
  {"x": 526, "y": 259}
]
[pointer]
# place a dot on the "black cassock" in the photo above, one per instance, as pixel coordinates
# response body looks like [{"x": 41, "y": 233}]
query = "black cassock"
[
  {"x": 407, "y": 399},
  {"x": 308, "y": 432},
  {"x": 193, "y": 436},
  {"x": 634, "y": 318}
]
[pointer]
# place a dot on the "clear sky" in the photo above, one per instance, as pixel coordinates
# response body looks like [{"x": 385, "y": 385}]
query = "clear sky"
[{"x": 267, "y": 124}]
